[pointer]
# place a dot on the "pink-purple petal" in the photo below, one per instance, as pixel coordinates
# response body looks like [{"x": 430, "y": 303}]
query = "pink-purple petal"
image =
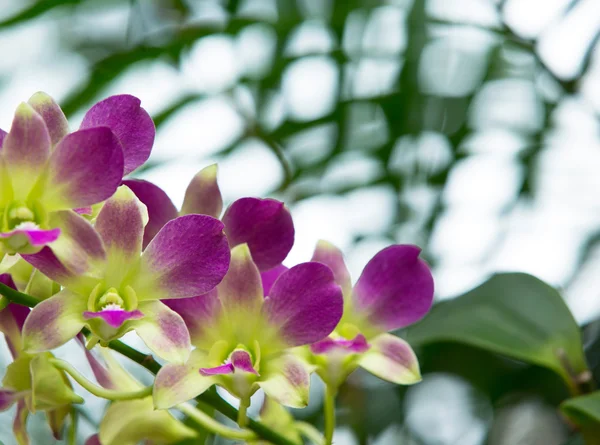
[
  {"x": 392, "y": 359},
  {"x": 227, "y": 368},
  {"x": 163, "y": 331},
  {"x": 26, "y": 148},
  {"x": 395, "y": 288},
  {"x": 203, "y": 195},
  {"x": 333, "y": 258},
  {"x": 53, "y": 322},
  {"x": 242, "y": 361},
  {"x": 161, "y": 209},
  {"x": 26, "y": 235},
  {"x": 120, "y": 224},
  {"x": 286, "y": 379},
  {"x": 2, "y": 136},
  {"x": 131, "y": 124},
  {"x": 188, "y": 257},
  {"x": 85, "y": 168},
  {"x": 7, "y": 398},
  {"x": 199, "y": 313},
  {"x": 114, "y": 317},
  {"x": 357, "y": 345},
  {"x": 305, "y": 304},
  {"x": 265, "y": 225},
  {"x": 51, "y": 113},
  {"x": 241, "y": 289},
  {"x": 268, "y": 277}
]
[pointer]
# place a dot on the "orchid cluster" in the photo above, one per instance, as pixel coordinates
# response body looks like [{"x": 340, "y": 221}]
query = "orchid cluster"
[{"x": 98, "y": 256}]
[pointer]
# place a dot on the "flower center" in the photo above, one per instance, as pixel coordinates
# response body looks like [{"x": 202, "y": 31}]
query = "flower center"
[
  {"x": 18, "y": 213},
  {"x": 112, "y": 299}
]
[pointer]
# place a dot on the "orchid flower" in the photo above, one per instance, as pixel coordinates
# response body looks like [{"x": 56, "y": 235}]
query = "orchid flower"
[
  {"x": 120, "y": 289},
  {"x": 394, "y": 290},
  {"x": 264, "y": 224},
  {"x": 46, "y": 172},
  {"x": 242, "y": 336},
  {"x": 31, "y": 382},
  {"x": 129, "y": 422}
]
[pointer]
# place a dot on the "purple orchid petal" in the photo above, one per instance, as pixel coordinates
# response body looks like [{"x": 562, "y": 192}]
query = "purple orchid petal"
[
  {"x": 392, "y": 359},
  {"x": 2, "y": 136},
  {"x": 85, "y": 168},
  {"x": 333, "y": 258},
  {"x": 242, "y": 361},
  {"x": 203, "y": 195},
  {"x": 200, "y": 314},
  {"x": 7, "y": 398},
  {"x": 227, "y": 368},
  {"x": 357, "y": 345},
  {"x": 53, "y": 116},
  {"x": 163, "y": 331},
  {"x": 188, "y": 257},
  {"x": 29, "y": 234},
  {"x": 305, "y": 304},
  {"x": 103, "y": 376},
  {"x": 131, "y": 124},
  {"x": 26, "y": 149},
  {"x": 114, "y": 317},
  {"x": 268, "y": 277},
  {"x": 47, "y": 263},
  {"x": 286, "y": 379},
  {"x": 265, "y": 225},
  {"x": 93, "y": 440},
  {"x": 395, "y": 288},
  {"x": 54, "y": 321},
  {"x": 160, "y": 208},
  {"x": 87, "y": 211},
  {"x": 12, "y": 318},
  {"x": 241, "y": 291},
  {"x": 175, "y": 384},
  {"x": 120, "y": 224}
]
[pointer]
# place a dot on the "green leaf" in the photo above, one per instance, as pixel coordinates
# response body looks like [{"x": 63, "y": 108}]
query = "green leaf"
[
  {"x": 584, "y": 411},
  {"x": 513, "y": 314}
]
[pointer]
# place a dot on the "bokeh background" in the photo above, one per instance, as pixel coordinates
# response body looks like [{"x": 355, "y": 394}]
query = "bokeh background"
[{"x": 468, "y": 127}]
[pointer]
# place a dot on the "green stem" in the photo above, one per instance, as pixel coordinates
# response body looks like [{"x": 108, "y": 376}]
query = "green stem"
[
  {"x": 207, "y": 422},
  {"x": 242, "y": 419},
  {"x": 72, "y": 434},
  {"x": 310, "y": 432},
  {"x": 329, "y": 408},
  {"x": 98, "y": 391},
  {"x": 210, "y": 397}
]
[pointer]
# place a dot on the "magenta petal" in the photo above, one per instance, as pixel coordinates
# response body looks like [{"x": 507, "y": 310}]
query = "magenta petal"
[
  {"x": 27, "y": 144},
  {"x": 242, "y": 361},
  {"x": 305, "y": 303},
  {"x": 53, "y": 116},
  {"x": 2, "y": 136},
  {"x": 332, "y": 257},
  {"x": 33, "y": 235},
  {"x": 357, "y": 345},
  {"x": 227, "y": 368},
  {"x": 160, "y": 208},
  {"x": 85, "y": 168},
  {"x": 395, "y": 288},
  {"x": 87, "y": 211},
  {"x": 131, "y": 124},
  {"x": 188, "y": 257},
  {"x": 7, "y": 398},
  {"x": 269, "y": 277},
  {"x": 265, "y": 225},
  {"x": 47, "y": 263},
  {"x": 199, "y": 314},
  {"x": 203, "y": 195},
  {"x": 93, "y": 440},
  {"x": 114, "y": 317}
]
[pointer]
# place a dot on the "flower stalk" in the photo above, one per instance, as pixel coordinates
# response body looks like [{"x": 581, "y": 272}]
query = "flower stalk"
[
  {"x": 98, "y": 391},
  {"x": 329, "y": 412},
  {"x": 207, "y": 422}
]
